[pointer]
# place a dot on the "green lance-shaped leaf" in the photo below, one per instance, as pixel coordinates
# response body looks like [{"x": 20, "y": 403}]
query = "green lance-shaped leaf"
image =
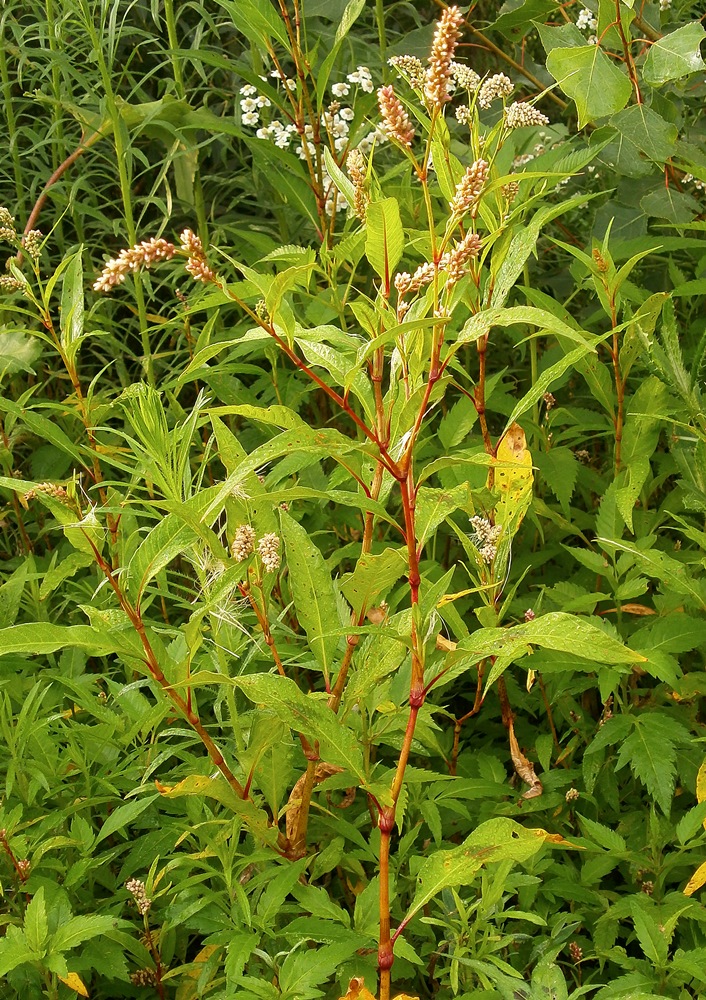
[
  {"x": 313, "y": 592},
  {"x": 558, "y": 630},
  {"x": 384, "y": 241},
  {"x": 72, "y": 303},
  {"x": 675, "y": 55},
  {"x": 588, "y": 77},
  {"x": 43, "y": 637},
  {"x": 308, "y": 715},
  {"x": 75, "y": 931},
  {"x": 496, "y": 840}
]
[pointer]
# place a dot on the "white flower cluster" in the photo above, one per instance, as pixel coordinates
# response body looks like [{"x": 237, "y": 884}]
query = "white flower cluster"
[
  {"x": 586, "y": 20},
  {"x": 362, "y": 78},
  {"x": 485, "y": 537},
  {"x": 665, "y": 5},
  {"x": 251, "y": 104},
  {"x": 690, "y": 179},
  {"x": 335, "y": 122}
]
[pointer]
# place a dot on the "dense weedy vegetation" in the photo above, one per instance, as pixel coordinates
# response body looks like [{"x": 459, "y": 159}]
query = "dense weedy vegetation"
[{"x": 353, "y": 611}]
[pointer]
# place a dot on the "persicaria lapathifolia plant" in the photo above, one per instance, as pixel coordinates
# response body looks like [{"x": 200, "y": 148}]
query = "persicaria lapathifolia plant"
[
  {"x": 405, "y": 349},
  {"x": 201, "y": 510}
]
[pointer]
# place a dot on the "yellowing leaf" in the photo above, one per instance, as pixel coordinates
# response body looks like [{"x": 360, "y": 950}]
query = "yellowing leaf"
[
  {"x": 701, "y": 783},
  {"x": 701, "y": 787},
  {"x": 201, "y": 784},
  {"x": 696, "y": 881},
  {"x": 512, "y": 477},
  {"x": 188, "y": 988},
  {"x": 357, "y": 990},
  {"x": 74, "y": 982}
]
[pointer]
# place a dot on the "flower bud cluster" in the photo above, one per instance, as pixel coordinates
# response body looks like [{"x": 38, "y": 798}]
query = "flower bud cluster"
[
  {"x": 410, "y": 69},
  {"x": 136, "y": 888},
  {"x": 7, "y": 226},
  {"x": 357, "y": 171},
  {"x": 32, "y": 243},
  {"x": 143, "y": 977},
  {"x": 50, "y": 489},
  {"x": 520, "y": 115},
  {"x": 196, "y": 265},
  {"x": 131, "y": 260},
  {"x": 469, "y": 188},
  {"x": 268, "y": 550},
  {"x": 464, "y": 77},
  {"x": 396, "y": 123},
  {"x": 485, "y": 537},
  {"x": 493, "y": 88},
  {"x": 406, "y": 283},
  {"x": 443, "y": 49},
  {"x": 455, "y": 260},
  {"x": 244, "y": 543}
]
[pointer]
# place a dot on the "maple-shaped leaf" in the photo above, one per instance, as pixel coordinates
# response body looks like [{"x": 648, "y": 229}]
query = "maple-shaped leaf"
[{"x": 650, "y": 750}]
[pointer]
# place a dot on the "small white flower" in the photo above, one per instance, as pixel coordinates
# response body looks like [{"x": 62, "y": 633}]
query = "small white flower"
[
  {"x": 347, "y": 114},
  {"x": 340, "y": 143},
  {"x": 290, "y": 84},
  {"x": 248, "y": 104},
  {"x": 275, "y": 74},
  {"x": 264, "y": 133},
  {"x": 339, "y": 128},
  {"x": 282, "y": 139},
  {"x": 263, "y": 102},
  {"x": 248, "y": 90},
  {"x": 340, "y": 89},
  {"x": 586, "y": 19},
  {"x": 251, "y": 118}
]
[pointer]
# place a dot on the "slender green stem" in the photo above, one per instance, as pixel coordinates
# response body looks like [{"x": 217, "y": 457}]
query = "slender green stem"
[{"x": 382, "y": 35}]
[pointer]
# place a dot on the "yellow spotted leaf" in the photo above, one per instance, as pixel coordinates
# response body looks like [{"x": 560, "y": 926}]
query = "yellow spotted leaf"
[
  {"x": 696, "y": 881},
  {"x": 74, "y": 982},
  {"x": 511, "y": 477}
]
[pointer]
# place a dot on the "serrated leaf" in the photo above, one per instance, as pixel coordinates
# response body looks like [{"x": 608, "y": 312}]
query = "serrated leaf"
[
  {"x": 36, "y": 927},
  {"x": 559, "y": 468},
  {"x": 652, "y": 940},
  {"x": 307, "y": 715},
  {"x": 312, "y": 591},
  {"x": 650, "y": 749},
  {"x": 79, "y": 929}
]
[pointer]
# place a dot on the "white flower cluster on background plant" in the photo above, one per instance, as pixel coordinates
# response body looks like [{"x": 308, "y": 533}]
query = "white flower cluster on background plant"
[{"x": 335, "y": 121}]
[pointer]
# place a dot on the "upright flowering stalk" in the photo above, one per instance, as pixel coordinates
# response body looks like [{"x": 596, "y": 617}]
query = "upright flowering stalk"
[
  {"x": 468, "y": 189},
  {"x": 395, "y": 119},
  {"x": 440, "y": 71}
]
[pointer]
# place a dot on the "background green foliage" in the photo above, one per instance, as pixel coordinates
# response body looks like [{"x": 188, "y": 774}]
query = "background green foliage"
[{"x": 197, "y": 423}]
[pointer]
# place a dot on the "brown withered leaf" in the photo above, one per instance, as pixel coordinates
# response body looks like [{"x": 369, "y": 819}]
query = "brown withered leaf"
[
  {"x": 444, "y": 644},
  {"x": 524, "y": 769},
  {"x": 633, "y": 609},
  {"x": 323, "y": 771}
]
